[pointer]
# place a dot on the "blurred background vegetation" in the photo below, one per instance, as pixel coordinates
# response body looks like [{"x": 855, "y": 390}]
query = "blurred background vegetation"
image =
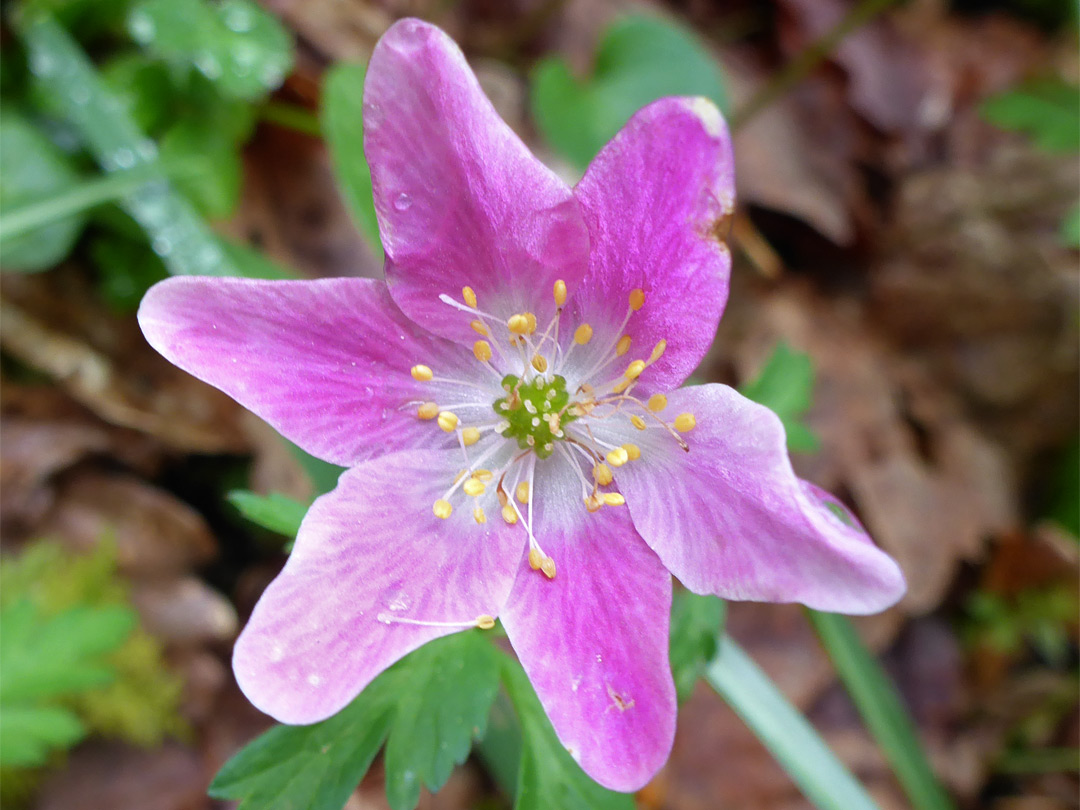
[{"x": 905, "y": 295}]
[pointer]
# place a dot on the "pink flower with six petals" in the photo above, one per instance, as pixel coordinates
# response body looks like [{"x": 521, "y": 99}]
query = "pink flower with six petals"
[{"x": 508, "y": 404}]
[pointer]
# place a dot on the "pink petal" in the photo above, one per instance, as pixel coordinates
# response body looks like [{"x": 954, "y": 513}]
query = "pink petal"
[
  {"x": 731, "y": 518},
  {"x": 461, "y": 200},
  {"x": 369, "y": 550},
  {"x": 653, "y": 200},
  {"x": 594, "y": 640},
  {"x": 325, "y": 362}
]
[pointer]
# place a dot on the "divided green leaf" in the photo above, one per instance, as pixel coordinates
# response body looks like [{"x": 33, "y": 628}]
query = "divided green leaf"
[
  {"x": 428, "y": 708},
  {"x": 236, "y": 44},
  {"x": 32, "y": 170},
  {"x": 549, "y": 778},
  {"x": 696, "y": 622},
  {"x": 342, "y": 123},
  {"x": 276, "y": 512},
  {"x": 785, "y": 386},
  {"x": 1048, "y": 111},
  {"x": 639, "y": 60}
]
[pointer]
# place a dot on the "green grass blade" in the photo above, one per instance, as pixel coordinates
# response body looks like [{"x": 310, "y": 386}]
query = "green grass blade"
[
  {"x": 72, "y": 85},
  {"x": 784, "y": 731},
  {"x": 881, "y": 710}
]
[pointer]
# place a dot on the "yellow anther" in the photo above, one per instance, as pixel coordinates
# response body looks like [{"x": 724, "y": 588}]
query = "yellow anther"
[
  {"x": 469, "y": 296},
  {"x": 518, "y": 324},
  {"x": 522, "y": 492},
  {"x": 583, "y": 334},
  {"x": 535, "y": 559},
  {"x": 482, "y": 350},
  {"x": 485, "y": 622},
  {"x": 509, "y": 514},
  {"x": 638, "y": 422},
  {"x": 448, "y": 421},
  {"x": 602, "y": 474},
  {"x": 531, "y": 319},
  {"x": 474, "y": 487},
  {"x": 560, "y": 293},
  {"x": 685, "y": 422},
  {"x": 483, "y": 475},
  {"x": 658, "y": 351},
  {"x": 442, "y": 509},
  {"x": 618, "y": 457},
  {"x": 623, "y": 346},
  {"x": 614, "y": 499},
  {"x": 633, "y": 452},
  {"x": 429, "y": 410},
  {"x": 633, "y": 371},
  {"x": 478, "y": 327},
  {"x": 548, "y": 567},
  {"x": 594, "y": 502},
  {"x": 470, "y": 436},
  {"x": 657, "y": 403},
  {"x": 637, "y": 299},
  {"x": 539, "y": 362},
  {"x": 622, "y": 385},
  {"x": 479, "y": 516},
  {"x": 421, "y": 373}
]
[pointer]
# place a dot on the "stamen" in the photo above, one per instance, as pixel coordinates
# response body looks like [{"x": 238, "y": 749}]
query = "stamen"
[
  {"x": 535, "y": 559},
  {"x": 548, "y": 567},
  {"x": 657, "y": 403},
  {"x": 657, "y": 352},
  {"x": 602, "y": 473},
  {"x": 509, "y": 514},
  {"x": 531, "y": 320},
  {"x": 638, "y": 422},
  {"x": 583, "y": 334},
  {"x": 474, "y": 487},
  {"x": 421, "y": 373},
  {"x": 522, "y": 492},
  {"x": 479, "y": 327},
  {"x": 594, "y": 502},
  {"x": 429, "y": 410},
  {"x": 448, "y": 421},
  {"x": 633, "y": 452},
  {"x": 614, "y": 499},
  {"x": 623, "y": 346},
  {"x": 618, "y": 457},
  {"x": 560, "y": 293},
  {"x": 685, "y": 422},
  {"x": 479, "y": 516},
  {"x": 518, "y": 324},
  {"x": 470, "y": 436},
  {"x": 637, "y": 299},
  {"x": 442, "y": 509},
  {"x": 633, "y": 371},
  {"x": 483, "y": 621},
  {"x": 469, "y": 296},
  {"x": 482, "y": 351},
  {"x": 539, "y": 362}
]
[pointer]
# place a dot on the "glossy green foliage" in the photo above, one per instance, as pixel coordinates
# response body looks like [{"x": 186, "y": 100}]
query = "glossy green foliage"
[
  {"x": 786, "y": 385},
  {"x": 696, "y": 623}
]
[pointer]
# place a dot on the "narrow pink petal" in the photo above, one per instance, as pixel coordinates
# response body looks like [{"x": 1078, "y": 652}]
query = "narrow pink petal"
[
  {"x": 594, "y": 640},
  {"x": 461, "y": 200},
  {"x": 654, "y": 199},
  {"x": 325, "y": 362},
  {"x": 731, "y": 518},
  {"x": 370, "y": 551}
]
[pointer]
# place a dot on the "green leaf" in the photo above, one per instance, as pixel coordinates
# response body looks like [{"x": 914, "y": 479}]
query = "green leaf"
[
  {"x": 431, "y": 705},
  {"x": 68, "y": 79},
  {"x": 236, "y": 44},
  {"x": 549, "y": 778},
  {"x": 696, "y": 622},
  {"x": 143, "y": 87},
  {"x": 127, "y": 268},
  {"x": 785, "y": 386},
  {"x": 342, "y": 123},
  {"x": 32, "y": 171},
  {"x": 639, "y": 60},
  {"x": 1070, "y": 228},
  {"x": 322, "y": 474},
  {"x": 215, "y": 187},
  {"x": 276, "y": 512},
  {"x": 1047, "y": 110},
  {"x": 881, "y": 709},
  {"x": 794, "y": 743},
  {"x": 442, "y": 702},
  {"x": 29, "y": 734}
]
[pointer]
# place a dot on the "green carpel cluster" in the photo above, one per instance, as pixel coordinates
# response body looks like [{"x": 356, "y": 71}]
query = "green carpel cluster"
[{"x": 536, "y": 412}]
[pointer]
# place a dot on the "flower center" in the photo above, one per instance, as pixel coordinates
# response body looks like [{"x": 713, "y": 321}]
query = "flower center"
[{"x": 535, "y": 412}]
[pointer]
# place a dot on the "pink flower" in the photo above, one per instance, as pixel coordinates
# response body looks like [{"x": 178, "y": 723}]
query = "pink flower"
[{"x": 508, "y": 404}]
